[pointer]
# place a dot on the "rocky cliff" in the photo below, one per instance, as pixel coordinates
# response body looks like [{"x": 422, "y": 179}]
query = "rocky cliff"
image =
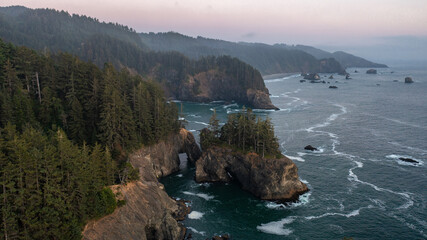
[
  {"x": 149, "y": 213},
  {"x": 268, "y": 179},
  {"x": 216, "y": 85}
]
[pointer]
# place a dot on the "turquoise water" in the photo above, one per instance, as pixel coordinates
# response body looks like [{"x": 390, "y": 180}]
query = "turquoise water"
[{"x": 358, "y": 186}]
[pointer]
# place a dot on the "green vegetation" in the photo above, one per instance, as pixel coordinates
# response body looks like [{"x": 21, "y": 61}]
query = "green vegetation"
[
  {"x": 48, "y": 30},
  {"x": 66, "y": 127},
  {"x": 243, "y": 131}
]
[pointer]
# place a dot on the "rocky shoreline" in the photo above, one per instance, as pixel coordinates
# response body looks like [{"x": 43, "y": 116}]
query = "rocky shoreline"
[
  {"x": 149, "y": 213},
  {"x": 266, "y": 178}
]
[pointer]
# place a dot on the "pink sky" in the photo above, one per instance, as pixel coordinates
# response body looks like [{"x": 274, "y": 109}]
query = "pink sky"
[{"x": 315, "y": 22}]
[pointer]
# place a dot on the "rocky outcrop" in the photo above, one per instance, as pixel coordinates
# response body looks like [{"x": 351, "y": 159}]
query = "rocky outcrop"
[
  {"x": 409, "y": 160},
  {"x": 149, "y": 213},
  {"x": 309, "y": 147},
  {"x": 268, "y": 179},
  {"x": 408, "y": 80},
  {"x": 260, "y": 99},
  {"x": 371, "y": 71},
  {"x": 312, "y": 76},
  {"x": 214, "y": 85}
]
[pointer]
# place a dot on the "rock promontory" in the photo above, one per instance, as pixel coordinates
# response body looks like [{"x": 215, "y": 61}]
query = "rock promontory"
[
  {"x": 148, "y": 213},
  {"x": 266, "y": 178}
]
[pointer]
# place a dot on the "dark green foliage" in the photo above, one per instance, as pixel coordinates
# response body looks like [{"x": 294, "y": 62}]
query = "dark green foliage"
[
  {"x": 48, "y": 186},
  {"x": 49, "y": 30},
  {"x": 114, "y": 108},
  {"x": 105, "y": 202},
  {"x": 243, "y": 131},
  {"x": 65, "y": 128}
]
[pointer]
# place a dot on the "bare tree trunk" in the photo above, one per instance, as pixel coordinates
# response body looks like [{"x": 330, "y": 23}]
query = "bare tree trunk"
[{"x": 38, "y": 87}]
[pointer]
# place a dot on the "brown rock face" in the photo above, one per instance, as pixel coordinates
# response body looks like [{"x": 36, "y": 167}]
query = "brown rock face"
[
  {"x": 149, "y": 213},
  {"x": 213, "y": 85},
  {"x": 268, "y": 179}
]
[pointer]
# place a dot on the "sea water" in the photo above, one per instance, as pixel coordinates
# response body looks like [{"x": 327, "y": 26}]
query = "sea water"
[{"x": 358, "y": 186}]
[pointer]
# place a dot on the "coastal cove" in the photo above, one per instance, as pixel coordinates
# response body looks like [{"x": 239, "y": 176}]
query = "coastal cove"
[{"x": 356, "y": 179}]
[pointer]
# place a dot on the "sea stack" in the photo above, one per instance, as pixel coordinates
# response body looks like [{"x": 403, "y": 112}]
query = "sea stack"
[
  {"x": 273, "y": 179},
  {"x": 408, "y": 80}
]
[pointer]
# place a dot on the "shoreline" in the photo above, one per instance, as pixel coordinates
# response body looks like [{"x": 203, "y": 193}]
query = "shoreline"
[{"x": 278, "y": 75}]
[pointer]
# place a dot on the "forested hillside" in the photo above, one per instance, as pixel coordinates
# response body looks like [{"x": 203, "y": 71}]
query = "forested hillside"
[
  {"x": 266, "y": 58},
  {"x": 345, "y": 59},
  {"x": 49, "y": 30},
  {"x": 65, "y": 129}
]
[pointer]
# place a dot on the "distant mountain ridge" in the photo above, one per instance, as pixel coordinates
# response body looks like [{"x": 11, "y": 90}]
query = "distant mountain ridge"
[
  {"x": 266, "y": 58},
  {"x": 49, "y": 30},
  {"x": 345, "y": 59}
]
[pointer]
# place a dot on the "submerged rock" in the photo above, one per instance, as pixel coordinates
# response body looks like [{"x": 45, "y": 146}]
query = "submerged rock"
[
  {"x": 309, "y": 147},
  {"x": 331, "y": 77},
  {"x": 371, "y": 71},
  {"x": 333, "y": 87},
  {"x": 408, "y": 80},
  {"x": 301, "y": 81},
  {"x": 409, "y": 160},
  {"x": 266, "y": 178}
]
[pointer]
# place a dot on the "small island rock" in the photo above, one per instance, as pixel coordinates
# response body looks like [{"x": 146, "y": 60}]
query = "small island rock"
[
  {"x": 408, "y": 80},
  {"x": 309, "y": 147},
  {"x": 371, "y": 71}
]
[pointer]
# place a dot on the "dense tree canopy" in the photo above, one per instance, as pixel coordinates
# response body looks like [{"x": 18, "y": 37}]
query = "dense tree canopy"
[
  {"x": 243, "y": 131},
  {"x": 65, "y": 128}
]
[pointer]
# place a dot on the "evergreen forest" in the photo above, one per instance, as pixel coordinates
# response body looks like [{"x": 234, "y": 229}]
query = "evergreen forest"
[
  {"x": 243, "y": 131},
  {"x": 66, "y": 127}
]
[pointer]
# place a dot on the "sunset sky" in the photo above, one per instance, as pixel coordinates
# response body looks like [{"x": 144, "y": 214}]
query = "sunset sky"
[{"x": 342, "y": 24}]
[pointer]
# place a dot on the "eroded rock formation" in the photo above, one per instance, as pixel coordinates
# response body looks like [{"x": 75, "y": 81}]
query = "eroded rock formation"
[
  {"x": 268, "y": 179},
  {"x": 149, "y": 213}
]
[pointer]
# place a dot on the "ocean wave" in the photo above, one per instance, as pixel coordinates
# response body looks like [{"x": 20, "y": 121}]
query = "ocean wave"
[
  {"x": 353, "y": 177},
  {"x": 195, "y": 215},
  {"x": 282, "y": 79},
  {"x": 230, "y": 105},
  {"x": 397, "y": 121},
  {"x": 201, "y": 195},
  {"x": 201, "y": 123},
  {"x": 203, "y": 233},
  {"x": 277, "y": 228},
  {"x": 299, "y": 159},
  {"x": 329, "y": 120},
  {"x": 347, "y": 215}
]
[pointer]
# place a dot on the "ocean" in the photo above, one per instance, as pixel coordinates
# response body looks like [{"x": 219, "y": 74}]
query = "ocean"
[{"x": 358, "y": 186}]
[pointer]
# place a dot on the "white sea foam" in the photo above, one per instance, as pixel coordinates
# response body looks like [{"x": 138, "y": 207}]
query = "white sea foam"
[
  {"x": 347, "y": 215},
  {"x": 195, "y": 231},
  {"x": 299, "y": 159},
  {"x": 274, "y": 96},
  {"x": 179, "y": 175},
  {"x": 277, "y": 228},
  {"x": 353, "y": 177},
  {"x": 329, "y": 120},
  {"x": 303, "y": 200},
  {"x": 194, "y": 115},
  {"x": 282, "y": 79},
  {"x": 201, "y": 195},
  {"x": 201, "y": 123},
  {"x": 230, "y": 105},
  {"x": 301, "y": 154},
  {"x": 192, "y": 130},
  {"x": 195, "y": 215}
]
